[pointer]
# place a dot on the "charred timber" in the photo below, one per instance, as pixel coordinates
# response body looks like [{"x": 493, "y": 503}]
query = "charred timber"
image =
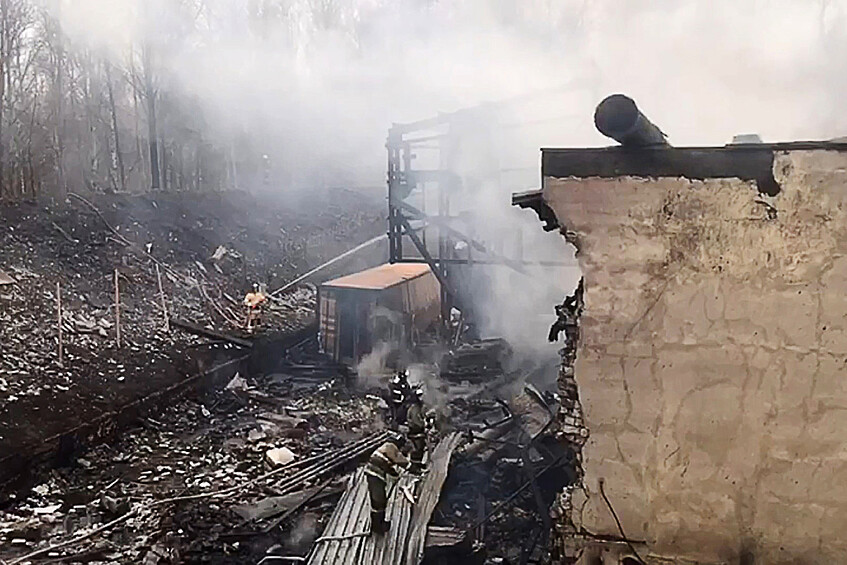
[
  {"x": 618, "y": 117},
  {"x": 199, "y": 330}
]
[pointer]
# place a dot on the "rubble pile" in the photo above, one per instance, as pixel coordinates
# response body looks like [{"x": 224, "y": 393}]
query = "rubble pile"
[
  {"x": 225, "y": 440},
  {"x": 231, "y": 437},
  {"x": 500, "y": 489},
  {"x": 477, "y": 361},
  {"x": 508, "y": 493}
]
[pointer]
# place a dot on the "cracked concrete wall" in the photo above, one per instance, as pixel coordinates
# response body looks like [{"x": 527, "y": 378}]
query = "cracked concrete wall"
[{"x": 713, "y": 361}]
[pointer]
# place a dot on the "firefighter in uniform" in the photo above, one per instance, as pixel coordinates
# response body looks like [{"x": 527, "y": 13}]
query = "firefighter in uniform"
[
  {"x": 387, "y": 462},
  {"x": 399, "y": 390},
  {"x": 253, "y": 302},
  {"x": 416, "y": 423}
]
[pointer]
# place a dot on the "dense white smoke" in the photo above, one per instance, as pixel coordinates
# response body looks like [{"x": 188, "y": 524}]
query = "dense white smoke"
[
  {"x": 321, "y": 80},
  {"x": 373, "y": 369},
  {"x": 316, "y": 83}
]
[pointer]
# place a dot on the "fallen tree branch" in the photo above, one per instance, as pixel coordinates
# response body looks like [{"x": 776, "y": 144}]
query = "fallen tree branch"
[
  {"x": 64, "y": 233},
  {"x": 216, "y": 306},
  {"x": 94, "y": 208}
]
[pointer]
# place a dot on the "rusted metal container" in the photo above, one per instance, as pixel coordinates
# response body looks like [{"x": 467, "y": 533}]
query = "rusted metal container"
[{"x": 383, "y": 308}]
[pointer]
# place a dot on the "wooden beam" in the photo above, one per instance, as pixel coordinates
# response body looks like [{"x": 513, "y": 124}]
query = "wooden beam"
[{"x": 212, "y": 334}]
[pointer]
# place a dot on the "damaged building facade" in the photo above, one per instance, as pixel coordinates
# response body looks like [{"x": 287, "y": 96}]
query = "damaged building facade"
[{"x": 712, "y": 363}]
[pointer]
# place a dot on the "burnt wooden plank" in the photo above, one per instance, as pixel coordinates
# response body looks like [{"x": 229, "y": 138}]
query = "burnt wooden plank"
[{"x": 430, "y": 493}]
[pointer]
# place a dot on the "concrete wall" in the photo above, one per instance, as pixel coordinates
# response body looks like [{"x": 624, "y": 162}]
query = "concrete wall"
[{"x": 713, "y": 362}]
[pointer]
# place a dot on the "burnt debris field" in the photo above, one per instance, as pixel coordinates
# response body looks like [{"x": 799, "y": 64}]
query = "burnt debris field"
[
  {"x": 314, "y": 281},
  {"x": 148, "y": 424},
  {"x": 232, "y": 331},
  {"x": 53, "y": 412}
]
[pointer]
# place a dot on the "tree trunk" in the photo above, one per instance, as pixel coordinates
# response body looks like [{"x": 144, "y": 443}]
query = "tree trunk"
[
  {"x": 94, "y": 155},
  {"x": 139, "y": 154},
  {"x": 30, "y": 167},
  {"x": 233, "y": 168},
  {"x": 116, "y": 134},
  {"x": 164, "y": 164},
  {"x": 150, "y": 92},
  {"x": 199, "y": 168},
  {"x": 60, "y": 113},
  {"x": 4, "y": 54}
]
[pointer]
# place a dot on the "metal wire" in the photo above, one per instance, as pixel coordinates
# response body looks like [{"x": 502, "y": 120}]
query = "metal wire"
[{"x": 618, "y": 522}]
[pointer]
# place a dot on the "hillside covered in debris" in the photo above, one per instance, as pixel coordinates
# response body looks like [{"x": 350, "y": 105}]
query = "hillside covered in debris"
[{"x": 188, "y": 257}]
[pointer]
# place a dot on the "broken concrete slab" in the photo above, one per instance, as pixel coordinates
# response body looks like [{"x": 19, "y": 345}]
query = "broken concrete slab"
[
  {"x": 237, "y": 384},
  {"x": 279, "y": 456},
  {"x": 6, "y": 278}
]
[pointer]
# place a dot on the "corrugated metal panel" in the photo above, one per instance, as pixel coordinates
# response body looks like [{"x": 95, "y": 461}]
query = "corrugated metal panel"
[
  {"x": 439, "y": 466},
  {"x": 347, "y": 539},
  {"x": 382, "y": 277}
]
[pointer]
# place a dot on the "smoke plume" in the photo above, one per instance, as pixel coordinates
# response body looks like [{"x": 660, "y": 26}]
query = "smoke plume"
[
  {"x": 315, "y": 84},
  {"x": 321, "y": 81}
]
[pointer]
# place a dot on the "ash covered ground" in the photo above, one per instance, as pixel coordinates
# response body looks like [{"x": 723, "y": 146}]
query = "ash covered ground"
[{"x": 80, "y": 244}]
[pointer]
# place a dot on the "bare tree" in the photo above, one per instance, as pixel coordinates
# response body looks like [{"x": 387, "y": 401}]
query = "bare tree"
[
  {"x": 152, "y": 131},
  {"x": 117, "y": 156},
  {"x": 69, "y": 112}
]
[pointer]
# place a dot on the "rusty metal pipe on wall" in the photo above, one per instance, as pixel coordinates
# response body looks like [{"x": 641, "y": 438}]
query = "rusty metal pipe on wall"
[{"x": 618, "y": 117}]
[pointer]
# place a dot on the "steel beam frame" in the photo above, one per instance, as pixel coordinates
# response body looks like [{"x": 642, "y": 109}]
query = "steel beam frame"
[{"x": 436, "y": 181}]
